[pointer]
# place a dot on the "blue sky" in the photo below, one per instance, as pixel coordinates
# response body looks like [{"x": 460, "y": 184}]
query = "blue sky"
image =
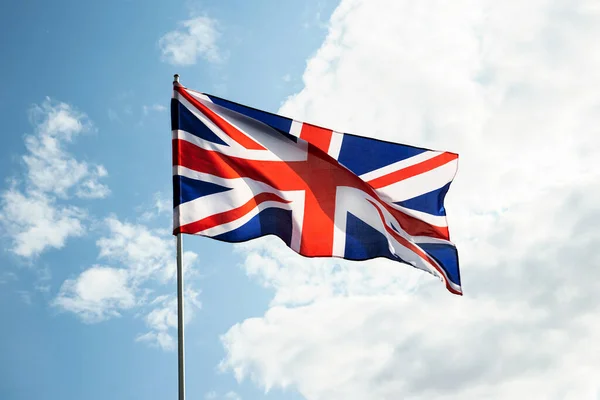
[
  {"x": 87, "y": 261},
  {"x": 104, "y": 61}
]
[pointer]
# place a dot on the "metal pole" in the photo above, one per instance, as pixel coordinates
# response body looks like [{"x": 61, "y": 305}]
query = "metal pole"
[
  {"x": 180, "y": 321},
  {"x": 180, "y": 347}
]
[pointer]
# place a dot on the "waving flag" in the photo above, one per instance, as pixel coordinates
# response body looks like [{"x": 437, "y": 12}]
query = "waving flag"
[{"x": 240, "y": 173}]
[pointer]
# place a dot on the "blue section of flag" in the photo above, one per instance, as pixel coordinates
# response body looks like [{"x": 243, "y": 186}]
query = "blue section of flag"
[
  {"x": 363, "y": 241},
  {"x": 278, "y": 122},
  {"x": 183, "y": 119},
  {"x": 446, "y": 256},
  {"x": 186, "y": 189},
  {"x": 431, "y": 203},
  {"x": 271, "y": 221},
  {"x": 361, "y": 155}
]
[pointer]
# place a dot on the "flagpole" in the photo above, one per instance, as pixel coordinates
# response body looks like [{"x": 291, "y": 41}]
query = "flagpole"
[
  {"x": 180, "y": 321},
  {"x": 180, "y": 347}
]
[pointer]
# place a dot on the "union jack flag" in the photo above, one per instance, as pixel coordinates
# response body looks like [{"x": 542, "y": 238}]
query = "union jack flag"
[{"x": 240, "y": 173}]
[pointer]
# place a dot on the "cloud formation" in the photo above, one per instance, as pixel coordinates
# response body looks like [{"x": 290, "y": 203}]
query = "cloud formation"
[
  {"x": 159, "y": 108},
  {"x": 162, "y": 319},
  {"x": 145, "y": 258},
  {"x": 35, "y": 222},
  {"x": 98, "y": 293},
  {"x": 231, "y": 395},
  {"x": 36, "y": 217},
  {"x": 196, "y": 38},
  {"x": 510, "y": 87}
]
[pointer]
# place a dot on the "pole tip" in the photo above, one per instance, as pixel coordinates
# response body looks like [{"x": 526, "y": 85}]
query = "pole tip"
[{"x": 176, "y": 78}]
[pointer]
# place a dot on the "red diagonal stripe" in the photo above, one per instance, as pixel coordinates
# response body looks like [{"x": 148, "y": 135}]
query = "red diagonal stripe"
[
  {"x": 413, "y": 170},
  {"x": 229, "y": 216},
  {"x": 225, "y": 126},
  {"x": 415, "y": 249},
  {"x": 278, "y": 174}
]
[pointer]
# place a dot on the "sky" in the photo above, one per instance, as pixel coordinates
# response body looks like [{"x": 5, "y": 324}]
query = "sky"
[{"x": 87, "y": 264}]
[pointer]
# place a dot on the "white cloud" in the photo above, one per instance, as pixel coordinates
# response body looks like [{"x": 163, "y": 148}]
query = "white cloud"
[
  {"x": 154, "y": 107},
  {"x": 146, "y": 258},
  {"x": 164, "y": 317},
  {"x": 162, "y": 320},
  {"x": 50, "y": 168},
  {"x": 162, "y": 205},
  {"x": 146, "y": 253},
  {"x": 34, "y": 218},
  {"x": 58, "y": 120},
  {"x": 159, "y": 339},
  {"x": 92, "y": 189},
  {"x": 510, "y": 86},
  {"x": 231, "y": 395},
  {"x": 98, "y": 293},
  {"x": 197, "y": 38},
  {"x": 35, "y": 222}
]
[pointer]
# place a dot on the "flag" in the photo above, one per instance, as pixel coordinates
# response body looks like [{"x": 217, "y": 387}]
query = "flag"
[{"x": 240, "y": 173}]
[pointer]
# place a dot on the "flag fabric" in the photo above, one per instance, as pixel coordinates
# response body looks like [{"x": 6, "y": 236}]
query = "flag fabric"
[{"x": 240, "y": 173}]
